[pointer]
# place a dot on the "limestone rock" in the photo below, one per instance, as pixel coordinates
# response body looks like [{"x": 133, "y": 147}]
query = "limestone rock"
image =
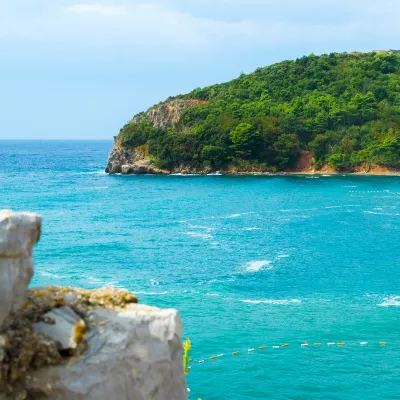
[
  {"x": 19, "y": 232},
  {"x": 168, "y": 113},
  {"x": 63, "y": 326},
  {"x": 133, "y": 354}
]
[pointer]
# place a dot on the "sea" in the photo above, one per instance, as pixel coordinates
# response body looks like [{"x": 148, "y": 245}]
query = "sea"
[{"x": 307, "y": 266}]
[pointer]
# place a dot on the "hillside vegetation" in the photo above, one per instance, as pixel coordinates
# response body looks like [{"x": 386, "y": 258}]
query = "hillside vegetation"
[{"x": 344, "y": 108}]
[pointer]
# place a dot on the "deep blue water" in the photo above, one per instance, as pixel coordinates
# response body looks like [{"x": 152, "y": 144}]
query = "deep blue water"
[{"x": 248, "y": 261}]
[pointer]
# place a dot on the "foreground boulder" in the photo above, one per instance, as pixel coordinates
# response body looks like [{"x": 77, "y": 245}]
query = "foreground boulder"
[
  {"x": 132, "y": 354},
  {"x": 18, "y": 234},
  {"x": 66, "y": 343}
]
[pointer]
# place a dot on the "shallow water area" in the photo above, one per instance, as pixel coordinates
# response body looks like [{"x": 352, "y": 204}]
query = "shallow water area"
[{"x": 248, "y": 260}]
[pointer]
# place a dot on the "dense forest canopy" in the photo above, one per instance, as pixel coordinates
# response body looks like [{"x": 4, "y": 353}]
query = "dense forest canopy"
[{"x": 344, "y": 108}]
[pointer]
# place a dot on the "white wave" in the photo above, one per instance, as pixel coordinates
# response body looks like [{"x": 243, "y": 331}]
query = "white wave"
[
  {"x": 312, "y": 177},
  {"x": 326, "y": 175},
  {"x": 212, "y": 294},
  {"x": 101, "y": 172},
  {"x": 332, "y": 207},
  {"x": 207, "y": 228},
  {"x": 251, "y": 229},
  {"x": 233, "y": 216},
  {"x": 154, "y": 282},
  {"x": 349, "y": 186},
  {"x": 199, "y": 235},
  {"x": 381, "y": 213},
  {"x": 393, "y": 301},
  {"x": 100, "y": 187},
  {"x": 51, "y": 275},
  {"x": 237, "y": 215},
  {"x": 277, "y": 302},
  {"x": 255, "y": 266},
  {"x": 93, "y": 279},
  {"x": 283, "y": 256},
  {"x": 216, "y": 174},
  {"x": 151, "y": 293}
]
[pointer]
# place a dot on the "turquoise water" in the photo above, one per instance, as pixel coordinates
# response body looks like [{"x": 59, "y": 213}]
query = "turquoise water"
[{"x": 248, "y": 261}]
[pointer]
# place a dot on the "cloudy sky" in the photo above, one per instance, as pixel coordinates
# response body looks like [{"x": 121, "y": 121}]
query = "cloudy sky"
[{"x": 79, "y": 69}]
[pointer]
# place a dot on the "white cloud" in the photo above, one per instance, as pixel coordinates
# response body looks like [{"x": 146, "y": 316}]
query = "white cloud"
[
  {"x": 206, "y": 25},
  {"x": 98, "y": 9}
]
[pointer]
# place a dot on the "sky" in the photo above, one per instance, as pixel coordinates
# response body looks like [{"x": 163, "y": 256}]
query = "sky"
[{"x": 80, "y": 69}]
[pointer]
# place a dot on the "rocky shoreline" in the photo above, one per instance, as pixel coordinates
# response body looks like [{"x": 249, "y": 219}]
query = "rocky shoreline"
[
  {"x": 72, "y": 344},
  {"x": 124, "y": 162},
  {"x": 120, "y": 162}
]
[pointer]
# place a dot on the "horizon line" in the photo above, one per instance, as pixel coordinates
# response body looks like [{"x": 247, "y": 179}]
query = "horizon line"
[{"x": 55, "y": 140}]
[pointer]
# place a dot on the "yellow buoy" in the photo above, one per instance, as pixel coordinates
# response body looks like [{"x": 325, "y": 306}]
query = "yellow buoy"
[
  {"x": 213, "y": 357},
  {"x": 340, "y": 344},
  {"x": 285, "y": 345},
  {"x": 383, "y": 343},
  {"x": 235, "y": 353},
  {"x": 262, "y": 347},
  {"x": 317, "y": 344}
]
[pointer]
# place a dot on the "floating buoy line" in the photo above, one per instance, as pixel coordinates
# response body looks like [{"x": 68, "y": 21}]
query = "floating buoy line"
[
  {"x": 187, "y": 348},
  {"x": 284, "y": 345}
]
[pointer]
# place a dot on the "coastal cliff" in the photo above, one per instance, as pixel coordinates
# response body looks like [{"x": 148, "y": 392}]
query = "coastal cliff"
[
  {"x": 331, "y": 113},
  {"x": 72, "y": 344}
]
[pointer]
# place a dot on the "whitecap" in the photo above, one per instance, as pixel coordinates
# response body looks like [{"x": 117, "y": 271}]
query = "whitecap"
[
  {"x": 51, "y": 275},
  {"x": 233, "y": 216},
  {"x": 283, "y": 256},
  {"x": 212, "y": 294},
  {"x": 251, "y": 229},
  {"x": 151, "y": 293},
  {"x": 207, "y": 228},
  {"x": 199, "y": 235},
  {"x": 270, "y": 301},
  {"x": 393, "y": 301},
  {"x": 101, "y": 172},
  {"x": 255, "y": 266},
  {"x": 382, "y": 213}
]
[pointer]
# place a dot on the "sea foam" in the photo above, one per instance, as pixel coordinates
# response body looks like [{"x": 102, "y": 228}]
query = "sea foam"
[
  {"x": 270, "y": 301},
  {"x": 255, "y": 266},
  {"x": 199, "y": 235},
  {"x": 393, "y": 301}
]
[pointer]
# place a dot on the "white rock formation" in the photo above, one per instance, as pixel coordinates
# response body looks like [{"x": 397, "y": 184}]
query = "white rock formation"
[
  {"x": 134, "y": 352},
  {"x": 64, "y": 327},
  {"x": 18, "y": 234},
  {"x": 133, "y": 355}
]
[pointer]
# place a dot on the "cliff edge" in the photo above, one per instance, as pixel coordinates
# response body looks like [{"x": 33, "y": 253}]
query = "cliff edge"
[{"x": 72, "y": 344}]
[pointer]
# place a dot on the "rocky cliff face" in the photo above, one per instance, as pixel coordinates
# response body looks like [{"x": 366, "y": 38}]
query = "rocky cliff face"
[
  {"x": 74, "y": 344},
  {"x": 167, "y": 114},
  {"x": 163, "y": 115}
]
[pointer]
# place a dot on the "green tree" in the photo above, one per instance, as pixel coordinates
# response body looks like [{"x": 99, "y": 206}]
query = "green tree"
[
  {"x": 214, "y": 155},
  {"x": 245, "y": 140},
  {"x": 286, "y": 150},
  {"x": 339, "y": 162}
]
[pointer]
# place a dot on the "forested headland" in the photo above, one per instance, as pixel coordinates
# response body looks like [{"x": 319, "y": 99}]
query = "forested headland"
[{"x": 343, "y": 108}]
